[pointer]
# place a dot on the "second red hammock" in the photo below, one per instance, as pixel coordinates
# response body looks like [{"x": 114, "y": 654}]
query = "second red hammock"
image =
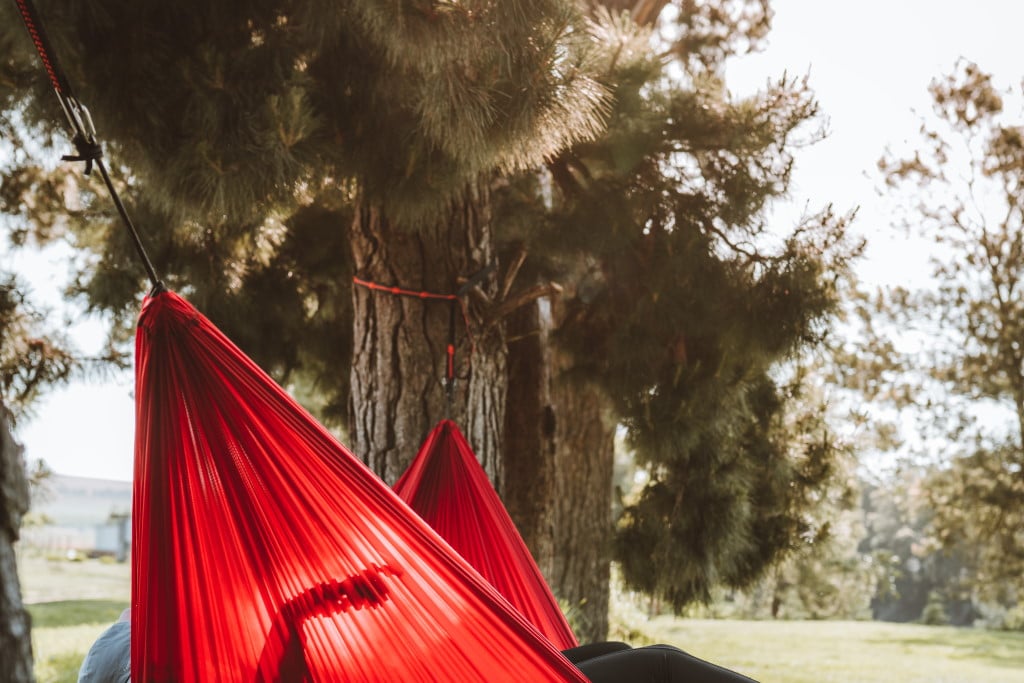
[{"x": 449, "y": 489}]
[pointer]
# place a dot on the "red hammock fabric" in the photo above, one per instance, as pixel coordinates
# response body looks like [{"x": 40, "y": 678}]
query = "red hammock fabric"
[
  {"x": 449, "y": 489},
  {"x": 265, "y": 551}
]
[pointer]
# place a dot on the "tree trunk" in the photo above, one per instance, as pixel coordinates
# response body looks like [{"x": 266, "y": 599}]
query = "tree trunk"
[
  {"x": 559, "y": 458},
  {"x": 15, "y": 641},
  {"x": 399, "y": 342},
  {"x": 584, "y": 461},
  {"x": 529, "y": 448}
]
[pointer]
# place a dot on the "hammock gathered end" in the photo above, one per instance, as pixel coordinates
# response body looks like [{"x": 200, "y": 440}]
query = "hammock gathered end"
[
  {"x": 448, "y": 488},
  {"x": 266, "y": 551}
]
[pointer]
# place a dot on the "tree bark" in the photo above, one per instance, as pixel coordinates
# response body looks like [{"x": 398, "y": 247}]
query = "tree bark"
[
  {"x": 529, "y": 448},
  {"x": 559, "y": 460},
  {"x": 584, "y": 462},
  {"x": 399, "y": 342},
  {"x": 15, "y": 623}
]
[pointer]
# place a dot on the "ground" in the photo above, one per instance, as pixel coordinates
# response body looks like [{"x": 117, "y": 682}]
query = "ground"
[{"x": 73, "y": 602}]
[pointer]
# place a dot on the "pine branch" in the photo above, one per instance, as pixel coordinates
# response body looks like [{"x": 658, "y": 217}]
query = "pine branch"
[{"x": 506, "y": 307}]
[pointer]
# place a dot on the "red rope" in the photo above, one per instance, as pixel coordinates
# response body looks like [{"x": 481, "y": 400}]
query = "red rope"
[
  {"x": 416, "y": 294},
  {"x": 398, "y": 291},
  {"x": 27, "y": 15}
]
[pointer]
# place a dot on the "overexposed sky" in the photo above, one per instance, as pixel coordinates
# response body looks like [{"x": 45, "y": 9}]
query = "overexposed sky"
[
  {"x": 86, "y": 429},
  {"x": 870, "y": 63}
]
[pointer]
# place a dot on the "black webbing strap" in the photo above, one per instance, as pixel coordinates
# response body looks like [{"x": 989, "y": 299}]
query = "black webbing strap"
[
  {"x": 83, "y": 133},
  {"x": 449, "y": 385}
]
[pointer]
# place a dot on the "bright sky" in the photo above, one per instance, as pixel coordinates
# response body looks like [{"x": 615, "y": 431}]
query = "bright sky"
[{"x": 870, "y": 63}]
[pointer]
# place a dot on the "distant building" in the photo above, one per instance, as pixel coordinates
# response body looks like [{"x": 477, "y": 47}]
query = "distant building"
[{"x": 82, "y": 515}]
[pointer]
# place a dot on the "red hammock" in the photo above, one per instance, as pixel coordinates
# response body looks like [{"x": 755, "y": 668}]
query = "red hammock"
[
  {"x": 449, "y": 489},
  {"x": 265, "y": 551}
]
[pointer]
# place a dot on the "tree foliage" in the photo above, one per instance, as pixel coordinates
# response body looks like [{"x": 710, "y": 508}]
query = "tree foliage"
[
  {"x": 963, "y": 187},
  {"x": 33, "y": 356},
  {"x": 243, "y": 134},
  {"x": 682, "y": 309},
  {"x": 248, "y": 137}
]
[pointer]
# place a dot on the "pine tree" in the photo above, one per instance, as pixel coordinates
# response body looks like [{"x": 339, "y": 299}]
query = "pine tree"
[
  {"x": 272, "y": 151},
  {"x": 235, "y": 118},
  {"x": 34, "y": 357},
  {"x": 580, "y": 419},
  {"x": 677, "y": 310}
]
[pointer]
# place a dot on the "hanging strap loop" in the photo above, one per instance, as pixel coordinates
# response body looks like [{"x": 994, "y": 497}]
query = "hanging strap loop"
[
  {"x": 88, "y": 151},
  {"x": 456, "y": 303}
]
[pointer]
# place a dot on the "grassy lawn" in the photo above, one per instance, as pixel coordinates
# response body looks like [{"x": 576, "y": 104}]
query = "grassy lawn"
[
  {"x": 58, "y": 650},
  {"x": 847, "y": 652},
  {"x": 73, "y": 602},
  {"x": 47, "y": 580}
]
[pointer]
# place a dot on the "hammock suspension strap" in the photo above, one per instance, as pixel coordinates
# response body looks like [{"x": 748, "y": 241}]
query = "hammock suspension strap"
[
  {"x": 455, "y": 302},
  {"x": 83, "y": 132}
]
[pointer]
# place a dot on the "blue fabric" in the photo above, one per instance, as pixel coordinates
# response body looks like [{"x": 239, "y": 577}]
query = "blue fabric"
[{"x": 109, "y": 659}]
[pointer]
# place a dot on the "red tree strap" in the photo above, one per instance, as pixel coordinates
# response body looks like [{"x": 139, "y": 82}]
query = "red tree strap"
[
  {"x": 398, "y": 291},
  {"x": 416, "y": 294}
]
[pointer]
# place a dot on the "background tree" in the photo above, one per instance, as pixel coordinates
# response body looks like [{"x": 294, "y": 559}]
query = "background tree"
[
  {"x": 269, "y": 152},
  {"x": 14, "y": 619},
  {"x": 33, "y": 358},
  {"x": 916, "y": 578},
  {"x": 577, "y": 412},
  {"x": 248, "y": 114},
  {"x": 963, "y": 187},
  {"x": 825, "y": 576},
  {"x": 664, "y": 310}
]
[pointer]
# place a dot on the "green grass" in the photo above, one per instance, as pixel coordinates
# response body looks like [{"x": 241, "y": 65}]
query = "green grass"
[
  {"x": 846, "y": 652},
  {"x": 52, "y": 615},
  {"x": 73, "y": 602},
  {"x": 58, "y": 650},
  {"x": 48, "y": 580}
]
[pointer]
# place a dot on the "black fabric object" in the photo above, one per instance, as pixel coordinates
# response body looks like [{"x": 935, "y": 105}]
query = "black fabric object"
[
  {"x": 582, "y": 653},
  {"x": 655, "y": 664}
]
